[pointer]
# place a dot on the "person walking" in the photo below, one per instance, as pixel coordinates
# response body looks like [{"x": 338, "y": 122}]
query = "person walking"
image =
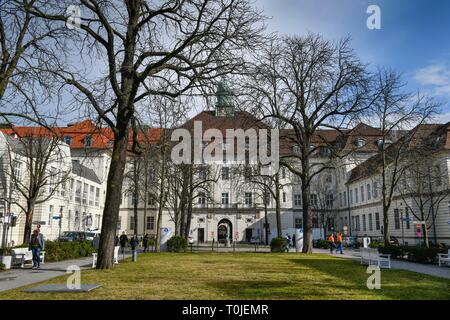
[
  {"x": 339, "y": 243},
  {"x": 293, "y": 241},
  {"x": 331, "y": 242},
  {"x": 134, "y": 242},
  {"x": 145, "y": 242},
  {"x": 37, "y": 244},
  {"x": 123, "y": 242},
  {"x": 288, "y": 242}
]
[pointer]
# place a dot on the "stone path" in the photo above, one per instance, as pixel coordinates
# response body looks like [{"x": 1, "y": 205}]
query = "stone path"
[{"x": 18, "y": 277}]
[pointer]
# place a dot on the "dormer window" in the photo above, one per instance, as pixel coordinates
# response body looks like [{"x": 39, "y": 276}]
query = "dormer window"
[
  {"x": 68, "y": 140},
  {"x": 360, "y": 142},
  {"x": 88, "y": 141}
]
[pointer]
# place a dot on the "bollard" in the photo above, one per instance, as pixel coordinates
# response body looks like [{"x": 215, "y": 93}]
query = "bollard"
[{"x": 133, "y": 255}]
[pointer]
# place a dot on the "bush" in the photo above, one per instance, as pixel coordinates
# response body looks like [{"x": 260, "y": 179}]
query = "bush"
[
  {"x": 278, "y": 244},
  {"x": 57, "y": 251},
  {"x": 411, "y": 253},
  {"x": 5, "y": 251},
  {"x": 424, "y": 254},
  {"x": 177, "y": 244},
  {"x": 323, "y": 244},
  {"x": 396, "y": 252},
  {"x": 2, "y": 267}
]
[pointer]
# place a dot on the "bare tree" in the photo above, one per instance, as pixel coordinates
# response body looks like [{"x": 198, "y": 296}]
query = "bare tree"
[
  {"x": 422, "y": 187},
  {"x": 141, "y": 43},
  {"x": 395, "y": 112},
  {"x": 24, "y": 41},
  {"x": 309, "y": 83},
  {"x": 37, "y": 166}
]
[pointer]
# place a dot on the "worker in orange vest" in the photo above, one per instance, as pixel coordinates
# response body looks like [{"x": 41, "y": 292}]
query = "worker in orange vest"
[
  {"x": 339, "y": 243},
  {"x": 331, "y": 242}
]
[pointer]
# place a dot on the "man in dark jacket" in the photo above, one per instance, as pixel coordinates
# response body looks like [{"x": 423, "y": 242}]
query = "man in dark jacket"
[
  {"x": 123, "y": 241},
  {"x": 37, "y": 244},
  {"x": 145, "y": 242}
]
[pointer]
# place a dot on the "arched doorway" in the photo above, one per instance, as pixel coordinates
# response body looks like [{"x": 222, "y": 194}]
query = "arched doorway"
[{"x": 224, "y": 231}]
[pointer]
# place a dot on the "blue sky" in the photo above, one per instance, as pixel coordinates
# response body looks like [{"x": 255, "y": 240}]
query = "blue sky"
[{"x": 414, "y": 38}]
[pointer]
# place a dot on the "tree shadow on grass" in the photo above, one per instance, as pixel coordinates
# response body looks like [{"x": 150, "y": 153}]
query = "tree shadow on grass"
[{"x": 395, "y": 284}]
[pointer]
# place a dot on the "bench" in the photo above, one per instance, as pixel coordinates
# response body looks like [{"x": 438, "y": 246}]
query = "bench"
[
  {"x": 116, "y": 256},
  {"x": 23, "y": 255},
  {"x": 444, "y": 258},
  {"x": 371, "y": 256}
]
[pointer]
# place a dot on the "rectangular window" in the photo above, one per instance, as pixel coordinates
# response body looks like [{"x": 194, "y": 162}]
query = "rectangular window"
[
  {"x": 375, "y": 190},
  {"x": 329, "y": 200},
  {"x": 298, "y": 223},
  {"x": 97, "y": 197},
  {"x": 150, "y": 223},
  {"x": 362, "y": 193},
  {"x": 345, "y": 198},
  {"x": 369, "y": 194},
  {"x": 63, "y": 189},
  {"x": 356, "y": 195},
  {"x": 396, "y": 219},
  {"x": 284, "y": 196},
  {"x": 340, "y": 199},
  {"x": 370, "y": 222},
  {"x": 225, "y": 198},
  {"x": 132, "y": 223},
  {"x": 78, "y": 192},
  {"x": 151, "y": 199},
  {"x": 297, "y": 200},
  {"x": 248, "y": 198},
  {"x": 201, "y": 198},
  {"x": 133, "y": 199},
  {"x": 85, "y": 193},
  {"x": 358, "y": 226},
  {"x": 68, "y": 140},
  {"x": 88, "y": 141},
  {"x": 53, "y": 173},
  {"x": 351, "y": 196},
  {"x": 377, "y": 220},
  {"x": 225, "y": 173},
  {"x": 91, "y": 195},
  {"x": 314, "y": 200},
  {"x": 353, "y": 223},
  {"x": 364, "y": 222}
]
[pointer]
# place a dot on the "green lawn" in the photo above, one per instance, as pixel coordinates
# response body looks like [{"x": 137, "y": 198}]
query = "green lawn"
[{"x": 245, "y": 276}]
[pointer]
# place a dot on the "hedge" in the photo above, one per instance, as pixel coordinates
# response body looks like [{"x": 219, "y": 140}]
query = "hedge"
[
  {"x": 320, "y": 243},
  {"x": 411, "y": 253},
  {"x": 176, "y": 244},
  {"x": 278, "y": 244},
  {"x": 58, "y": 251}
]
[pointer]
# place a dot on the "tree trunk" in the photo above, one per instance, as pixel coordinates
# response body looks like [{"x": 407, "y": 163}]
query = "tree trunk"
[
  {"x": 278, "y": 205},
  {"x": 307, "y": 220},
  {"x": 112, "y": 200},
  {"x": 28, "y": 224}
]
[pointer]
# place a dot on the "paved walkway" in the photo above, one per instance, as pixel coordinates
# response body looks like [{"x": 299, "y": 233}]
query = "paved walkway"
[
  {"x": 430, "y": 269},
  {"x": 18, "y": 277}
]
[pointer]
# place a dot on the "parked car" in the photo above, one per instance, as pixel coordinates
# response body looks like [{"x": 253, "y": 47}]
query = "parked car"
[
  {"x": 69, "y": 236},
  {"x": 349, "y": 242},
  {"x": 393, "y": 241}
]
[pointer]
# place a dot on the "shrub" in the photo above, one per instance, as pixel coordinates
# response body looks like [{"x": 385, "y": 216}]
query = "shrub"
[
  {"x": 424, "y": 254},
  {"x": 2, "y": 267},
  {"x": 5, "y": 251},
  {"x": 323, "y": 244},
  {"x": 177, "y": 244},
  {"x": 396, "y": 252},
  {"x": 278, "y": 244},
  {"x": 57, "y": 251}
]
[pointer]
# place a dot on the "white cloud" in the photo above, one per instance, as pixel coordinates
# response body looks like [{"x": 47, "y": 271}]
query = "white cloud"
[{"x": 436, "y": 77}]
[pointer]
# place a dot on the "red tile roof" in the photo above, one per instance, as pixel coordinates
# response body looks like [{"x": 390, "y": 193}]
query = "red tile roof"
[{"x": 101, "y": 138}]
